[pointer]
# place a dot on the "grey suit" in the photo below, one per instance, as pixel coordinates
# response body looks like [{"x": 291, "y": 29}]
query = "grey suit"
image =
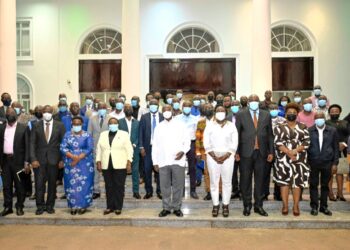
[
  {"x": 95, "y": 130},
  {"x": 253, "y": 160}
]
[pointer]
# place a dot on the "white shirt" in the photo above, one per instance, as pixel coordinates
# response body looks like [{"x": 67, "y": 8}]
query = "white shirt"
[
  {"x": 119, "y": 116},
  {"x": 320, "y": 136},
  {"x": 50, "y": 126},
  {"x": 220, "y": 139},
  {"x": 190, "y": 121},
  {"x": 170, "y": 138},
  {"x": 157, "y": 123}
]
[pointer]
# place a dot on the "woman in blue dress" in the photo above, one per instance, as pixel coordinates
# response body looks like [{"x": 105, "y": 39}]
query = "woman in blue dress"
[{"x": 76, "y": 148}]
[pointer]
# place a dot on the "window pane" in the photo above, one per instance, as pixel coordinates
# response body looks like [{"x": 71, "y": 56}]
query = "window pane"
[{"x": 25, "y": 40}]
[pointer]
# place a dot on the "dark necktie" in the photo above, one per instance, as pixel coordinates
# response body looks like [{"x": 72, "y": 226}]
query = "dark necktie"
[
  {"x": 47, "y": 131},
  {"x": 101, "y": 121},
  {"x": 255, "y": 120}
]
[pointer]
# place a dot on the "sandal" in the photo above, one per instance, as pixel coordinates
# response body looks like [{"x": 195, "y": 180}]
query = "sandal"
[{"x": 284, "y": 210}]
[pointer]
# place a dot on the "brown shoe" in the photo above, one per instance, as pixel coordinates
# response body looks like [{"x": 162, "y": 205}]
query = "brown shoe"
[
  {"x": 225, "y": 210},
  {"x": 215, "y": 211}
]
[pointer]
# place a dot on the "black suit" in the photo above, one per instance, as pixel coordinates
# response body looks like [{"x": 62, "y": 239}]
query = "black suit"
[
  {"x": 321, "y": 162},
  {"x": 11, "y": 164},
  {"x": 2, "y": 114},
  {"x": 145, "y": 142},
  {"x": 253, "y": 160},
  {"x": 48, "y": 155}
]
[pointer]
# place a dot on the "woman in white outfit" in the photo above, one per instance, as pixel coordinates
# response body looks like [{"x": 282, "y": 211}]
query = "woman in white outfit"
[{"x": 220, "y": 142}]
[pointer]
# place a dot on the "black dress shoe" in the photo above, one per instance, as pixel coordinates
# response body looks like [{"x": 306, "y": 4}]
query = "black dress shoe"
[
  {"x": 118, "y": 212},
  {"x": 148, "y": 196},
  {"x": 314, "y": 211},
  {"x": 164, "y": 213},
  {"x": 246, "y": 211},
  {"x": 178, "y": 213},
  {"x": 159, "y": 195},
  {"x": 50, "y": 210},
  {"x": 266, "y": 197},
  {"x": 137, "y": 196},
  {"x": 96, "y": 195},
  {"x": 73, "y": 211},
  {"x": 198, "y": 183},
  {"x": 82, "y": 211},
  {"x": 39, "y": 211},
  {"x": 107, "y": 211},
  {"x": 28, "y": 194},
  {"x": 207, "y": 197},
  {"x": 235, "y": 196},
  {"x": 19, "y": 211},
  {"x": 63, "y": 197},
  {"x": 260, "y": 211},
  {"x": 325, "y": 211},
  {"x": 6, "y": 211},
  {"x": 194, "y": 195}
]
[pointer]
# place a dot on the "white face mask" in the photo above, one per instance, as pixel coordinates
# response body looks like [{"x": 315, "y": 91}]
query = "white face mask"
[
  {"x": 220, "y": 116},
  {"x": 47, "y": 116},
  {"x": 167, "y": 114}
]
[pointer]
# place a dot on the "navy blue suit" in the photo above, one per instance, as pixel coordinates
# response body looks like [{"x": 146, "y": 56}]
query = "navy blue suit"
[
  {"x": 145, "y": 142},
  {"x": 134, "y": 138},
  {"x": 321, "y": 161}
]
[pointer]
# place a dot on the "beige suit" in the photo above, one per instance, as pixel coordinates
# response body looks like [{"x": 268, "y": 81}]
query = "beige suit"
[{"x": 121, "y": 150}]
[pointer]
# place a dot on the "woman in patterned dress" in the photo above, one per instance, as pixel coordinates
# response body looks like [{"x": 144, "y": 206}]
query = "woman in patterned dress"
[
  {"x": 291, "y": 168},
  {"x": 76, "y": 148}
]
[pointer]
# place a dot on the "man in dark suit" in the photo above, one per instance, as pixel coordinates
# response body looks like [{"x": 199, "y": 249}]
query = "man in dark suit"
[
  {"x": 13, "y": 158},
  {"x": 45, "y": 140},
  {"x": 131, "y": 125},
  {"x": 6, "y": 101},
  {"x": 148, "y": 123},
  {"x": 255, "y": 149},
  {"x": 323, "y": 154},
  {"x": 89, "y": 106}
]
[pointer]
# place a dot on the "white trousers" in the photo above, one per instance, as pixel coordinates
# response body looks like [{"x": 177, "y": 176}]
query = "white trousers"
[{"x": 224, "y": 170}]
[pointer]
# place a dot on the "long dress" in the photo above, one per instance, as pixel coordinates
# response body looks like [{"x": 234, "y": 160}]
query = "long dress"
[
  {"x": 288, "y": 172},
  {"x": 78, "y": 180}
]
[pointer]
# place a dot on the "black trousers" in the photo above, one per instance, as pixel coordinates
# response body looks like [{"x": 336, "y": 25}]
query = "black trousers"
[
  {"x": 235, "y": 184},
  {"x": 45, "y": 173},
  {"x": 27, "y": 182},
  {"x": 141, "y": 168},
  {"x": 9, "y": 177},
  {"x": 115, "y": 187},
  {"x": 319, "y": 172},
  {"x": 191, "y": 159},
  {"x": 148, "y": 167},
  {"x": 248, "y": 166}
]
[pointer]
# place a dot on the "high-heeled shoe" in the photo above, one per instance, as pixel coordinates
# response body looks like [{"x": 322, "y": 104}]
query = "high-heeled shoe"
[
  {"x": 332, "y": 198},
  {"x": 340, "y": 198},
  {"x": 296, "y": 212},
  {"x": 73, "y": 211},
  {"x": 285, "y": 211}
]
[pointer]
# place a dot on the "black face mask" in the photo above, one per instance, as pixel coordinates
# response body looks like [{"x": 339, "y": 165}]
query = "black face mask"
[
  {"x": 128, "y": 112},
  {"x": 112, "y": 104},
  {"x": 334, "y": 117},
  {"x": 244, "y": 103},
  {"x": 291, "y": 117},
  {"x": 210, "y": 97},
  {"x": 6, "y": 102},
  {"x": 11, "y": 118},
  {"x": 219, "y": 102},
  {"x": 38, "y": 115},
  {"x": 208, "y": 113}
]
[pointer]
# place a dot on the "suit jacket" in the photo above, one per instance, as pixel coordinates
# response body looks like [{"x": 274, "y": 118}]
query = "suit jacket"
[
  {"x": 247, "y": 133},
  {"x": 330, "y": 146},
  {"x": 94, "y": 127},
  {"x": 40, "y": 150},
  {"x": 134, "y": 134},
  {"x": 2, "y": 114},
  {"x": 20, "y": 145},
  {"x": 120, "y": 150},
  {"x": 146, "y": 130}
]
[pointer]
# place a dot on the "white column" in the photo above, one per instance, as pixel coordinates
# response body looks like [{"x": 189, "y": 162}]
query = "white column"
[
  {"x": 8, "y": 63},
  {"x": 131, "y": 67},
  {"x": 261, "y": 51}
]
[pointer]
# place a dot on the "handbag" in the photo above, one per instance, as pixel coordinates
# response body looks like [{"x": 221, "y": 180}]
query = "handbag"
[{"x": 343, "y": 166}]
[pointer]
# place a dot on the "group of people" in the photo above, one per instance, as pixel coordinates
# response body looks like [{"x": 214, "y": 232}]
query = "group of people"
[{"x": 302, "y": 142}]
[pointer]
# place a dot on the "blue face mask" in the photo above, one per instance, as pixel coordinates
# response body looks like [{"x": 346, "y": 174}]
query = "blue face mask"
[
  {"x": 322, "y": 103},
  {"x": 179, "y": 95},
  {"x": 320, "y": 122},
  {"x": 169, "y": 101},
  {"x": 62, "y": 109},
  {"x": 176, "y": 105},
  {"x": 317, "y": 92},
  {"x": 234, "y": 109},
  {"x": 119, "y": 105},
  {"x": 196, "y": 103},
  {"x": 77, "y": 129},
  {"x": 134, "y": 103},
  {"x": 307, "y": 107},
  {"x": 254, "y": 106},
  {"x": 186, "y": 110},
  {"x": 18, "y": 111},
  {"x": 284, "y": 103},
  {"x": 113, "y": 127},
  {"x": 274, "y": 113},
  {"x": 88, "y": 102},
  {"x": 297, "y": 99},
  {"x": 102, "y": 112},
  {"x": 153, "y": 108}
]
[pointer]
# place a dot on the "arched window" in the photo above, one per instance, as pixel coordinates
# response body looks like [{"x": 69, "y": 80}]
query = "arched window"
[
  {"x": 102, "y": 41},
  {"x": 24, "y": 92},
  {"x": 286, "y": 38},
  {"x": 193, "y": 40}
]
